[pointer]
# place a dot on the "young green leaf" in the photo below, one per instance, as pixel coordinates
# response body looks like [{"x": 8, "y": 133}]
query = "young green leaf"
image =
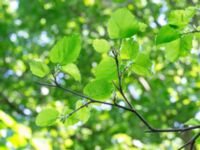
[
  {"x": 99, "y": 89},
  {"x": 72, "y": 70},
  {"x": 39, "y": 69},
  {"x": 122, "y": 24},
  {"x": 172, "y": 50},
  {"x": 106, "y": 69},
  {"x": 142, "y": 65},
  {"x": 82, "y": 114},
  {"x": 71, "y": 120},
  {"x": 192, "y": 121},
  {"x": 179, "y": 47},
  {"x": 47, "y": 117},
  {"x": 167, "y": 34},
  {"x": 181, "y": 18},
  {"x": 66, "y": 50},
  {"x": 129, "y": 49},
  {"x": 101, "y": 45}
]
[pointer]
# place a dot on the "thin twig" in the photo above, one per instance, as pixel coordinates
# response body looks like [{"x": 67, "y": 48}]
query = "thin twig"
[
  {"x": 151, "y": 129},
  {"x": 76, "y": 110},
  {"x": 191, "y": 142},
  {"x": 119, "y": 74},
  {"x": 194, "y": 31}
]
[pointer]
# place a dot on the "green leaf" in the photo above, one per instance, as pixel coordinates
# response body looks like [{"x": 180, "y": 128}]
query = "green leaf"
[
  {"x": 99, "y": 89},
  {"x": 71, "y": 120},
  {"x": 106, "y": 69},
  {"x": 142, "y": 64},
  {"x": 181, "y": 18},
  {"x": 84, "y": 113},
  {"x": 101, "y": 45},
  {"x": 47, "y": 117},
  {"x": 185, "y": 44},
  {"x": 81, "y": 115},
  {"x": 66, "y": 50},
  {"x": 167, "y": 34},
  {"x": 122, "y": 24},
  {"x": 72, "y": 70},
  {"x": 192, "y": 121},
  {"x": 179, "y": 47},
  {"x": 39, "y": 69},
  {"x": 129, "y": 49}
]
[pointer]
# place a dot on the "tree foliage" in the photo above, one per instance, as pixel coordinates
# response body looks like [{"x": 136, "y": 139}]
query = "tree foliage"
[{"x": 99, "y": 74}]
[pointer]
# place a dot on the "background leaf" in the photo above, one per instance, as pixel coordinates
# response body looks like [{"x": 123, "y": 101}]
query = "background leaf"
[
  {"x": 106, "y": 69},
  {"x": 72, "y": 70},
  {"x": 122, "y": 24},
  {"x": 101, "y": 45},
  {"x": 167, "y": 34},
  {"x": 47, "y": 117},
  {"x": 39, "y": 69},
  {"x": 99, "y": 89},
  {"x": 66, "y": 50}
]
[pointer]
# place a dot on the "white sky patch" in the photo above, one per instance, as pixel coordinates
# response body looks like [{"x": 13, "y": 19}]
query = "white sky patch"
[
  {"x": 153, "y": 25},
  {"x": 197, "y": 116},
  {"x": 18, "y": 22},
  {"x": 157, "y": 1},
  {"x": 134, "y": 92},
  {"x": 23, "y": 34},
  {"x": 13, "y": 37},
  {"x": 44, "y": 90},
  {"x": 14, "y": 4},
  {"x": 44, "y": 39},
  {"x": 27, "y": 111},
  {"x": 102, "y": 107},
  {"x": 184, "y": 80},
  {"x": 137, "y": 143},
  {"x": 161, "y": 20}
]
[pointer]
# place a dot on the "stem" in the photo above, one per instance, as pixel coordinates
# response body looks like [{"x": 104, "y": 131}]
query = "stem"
[
  {"x": 191, "y": 142},
  {"x": 151, "y": 129},
  {"x": 119, "y": 74}
]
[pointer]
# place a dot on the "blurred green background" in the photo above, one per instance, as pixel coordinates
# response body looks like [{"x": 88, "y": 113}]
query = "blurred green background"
[{"x": 28, "y": 30}]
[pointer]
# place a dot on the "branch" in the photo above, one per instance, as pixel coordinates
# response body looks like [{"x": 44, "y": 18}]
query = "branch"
[
  {"x": 76, "y": 110},
  {"x": 119, "y": 74},
  {"x": 191, "y": 142},
  {"x": 194, "y": 31},
  {"x": 12, "y": 105}
]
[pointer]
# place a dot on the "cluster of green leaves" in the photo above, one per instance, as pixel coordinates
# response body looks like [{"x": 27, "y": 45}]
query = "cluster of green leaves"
[
  {"x": 172, "y": 36},
  {"x": 122, "y": 26},
  {"x": 28, "y": 31}
]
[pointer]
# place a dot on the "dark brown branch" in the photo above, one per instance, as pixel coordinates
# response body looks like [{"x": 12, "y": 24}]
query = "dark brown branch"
[
  {"x": 76, "y": 110},
  {"x": 151, "y": 129},
  {"x": 194, "y": 31},
  {"x": 191, "y": 142},
  {"x": 12, "y": 105},
  {"x": 119, "y": 74}
]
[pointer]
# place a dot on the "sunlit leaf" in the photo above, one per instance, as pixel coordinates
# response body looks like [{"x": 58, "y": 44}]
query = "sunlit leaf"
[
  {"x": 66, "y": 50},
  {"x": 106, "y": 69},
  {"x": 47, "y": 117},
  {"x": 167, "y": 34},
  {"x": 101, "y": 45},
  {"x": 179, "y": 47},
  {"x": 72, "y": 70},
  {"x": 192, "y": 121},
  {"x": 122, "y": 24},
  {"x": 99, "y": 89},
  {"x": 129, "y": 49},
  {"x": 181, "y": 18},
  {"x": 82, "y": 115},
  {"x": 142, "y": 65},
  {"x": 39, "y": 69}
]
